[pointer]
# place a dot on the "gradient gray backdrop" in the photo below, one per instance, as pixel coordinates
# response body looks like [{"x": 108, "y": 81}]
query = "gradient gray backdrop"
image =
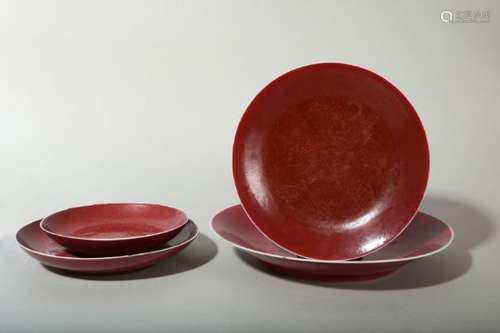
[{"x": 105, "y": 101}]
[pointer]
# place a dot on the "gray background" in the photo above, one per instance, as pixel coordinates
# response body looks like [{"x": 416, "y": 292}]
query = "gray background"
[{"x": 105, "y": 101}]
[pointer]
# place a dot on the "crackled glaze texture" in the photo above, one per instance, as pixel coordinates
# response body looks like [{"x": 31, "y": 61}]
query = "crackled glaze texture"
[
  {"x": 330, "y": 161},
  {"x": 114, "y": 229},
  {"x": 41, "y": 247},
  {"x": 424, "y": 237}
]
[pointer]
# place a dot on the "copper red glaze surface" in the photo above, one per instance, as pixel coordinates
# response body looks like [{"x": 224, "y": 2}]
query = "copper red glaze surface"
[
  {"x": 330, "y": 161},
  {"x": 425, "y": 236},
  {"x": 114, "y": 229},
  {"x": 41, "y": 247}
]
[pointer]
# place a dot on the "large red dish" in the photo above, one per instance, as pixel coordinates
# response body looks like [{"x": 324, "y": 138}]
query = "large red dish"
[
  {"x": 426, "y": 236},
  {"x": 48, "y": 252},
  {"x": 114, "y": 229},
  {"x": 330, "y": 161}
]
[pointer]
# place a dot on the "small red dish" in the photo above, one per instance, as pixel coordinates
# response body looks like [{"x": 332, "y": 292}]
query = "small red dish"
[
  {"x": 425, "y": 236},
  {"x": 330, "y": 161},
  {"x": 114, "y": 229},
  {"x": 48, "y": 252}
]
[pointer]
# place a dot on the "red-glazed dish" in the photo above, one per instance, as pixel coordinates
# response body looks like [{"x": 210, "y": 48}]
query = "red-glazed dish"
[
  {"x": 330, "y": 161},
  {"x": 41, "y": 247},
  {"x": 425, "y": 236},
  {"x": 114, "y": 229}
]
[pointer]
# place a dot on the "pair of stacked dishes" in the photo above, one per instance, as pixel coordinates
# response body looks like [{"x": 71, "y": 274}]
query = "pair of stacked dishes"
[
  {"x": 108, "y": 238},
  {"x": 331, "y": 162}
]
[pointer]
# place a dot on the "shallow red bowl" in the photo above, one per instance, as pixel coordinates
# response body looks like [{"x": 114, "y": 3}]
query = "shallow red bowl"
[
  {"x": 425, "y": 236},
  {"x": 114, "y": 229},
  {"x": 330, "y": 161},
  {"x": 48, "y": 252}
]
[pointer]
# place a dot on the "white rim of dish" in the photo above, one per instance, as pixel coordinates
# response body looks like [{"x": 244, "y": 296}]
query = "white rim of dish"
[
  {"x": 190, "y": 239},
  {"x": 348, "y": 262},
  {"x": 42, "y": 221}
]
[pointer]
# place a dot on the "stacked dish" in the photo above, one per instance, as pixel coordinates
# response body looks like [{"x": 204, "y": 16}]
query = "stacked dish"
[
  {"x": 108, "y": 238},
  {"x": 331, "y": 162}
]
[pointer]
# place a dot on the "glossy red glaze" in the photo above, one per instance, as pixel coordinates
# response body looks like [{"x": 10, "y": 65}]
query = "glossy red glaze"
[
  {"x": 330, "y": 161},
  {"x": 114, "y": 229},
  {"x": 41, "y": 247},
  {"x": 424, "y": 237}
]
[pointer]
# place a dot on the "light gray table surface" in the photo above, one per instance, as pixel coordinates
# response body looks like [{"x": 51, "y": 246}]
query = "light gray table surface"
[{"x": 106, "y": 101}]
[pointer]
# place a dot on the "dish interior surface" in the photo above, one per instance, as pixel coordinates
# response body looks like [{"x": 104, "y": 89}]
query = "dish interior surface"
[
  {"x": 33, "y": 238},
  {"x": 425, "y": 235},
  {"x": 330, "y": 154},
  {"x": 112, "y": 221}
]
